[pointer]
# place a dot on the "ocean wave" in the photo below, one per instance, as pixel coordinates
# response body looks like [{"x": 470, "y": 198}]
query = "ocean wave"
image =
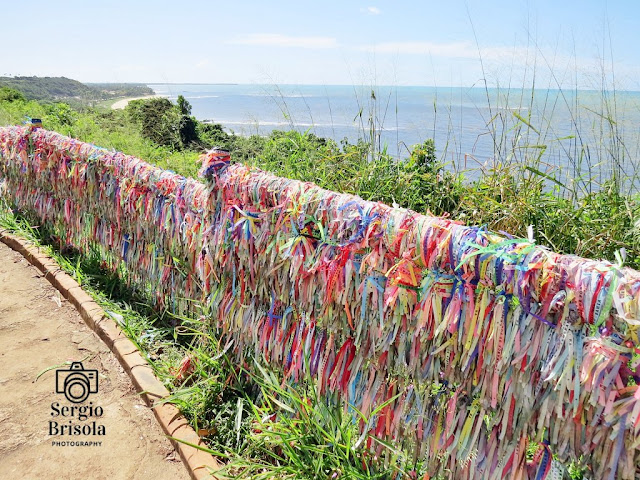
[
  {"x": 277, "y": 95},
  {"x": 282, "y": 123},
  {"x": 173, "y": 96},
  {"x": 278, "y": 123}
]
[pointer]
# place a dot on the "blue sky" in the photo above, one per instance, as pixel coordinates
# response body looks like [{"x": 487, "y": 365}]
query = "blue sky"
[{"x": 327, "y": 42}]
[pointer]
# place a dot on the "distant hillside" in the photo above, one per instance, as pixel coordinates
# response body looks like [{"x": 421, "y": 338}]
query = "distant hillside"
[
  {"x": 113, "y": 90},
  {"x": 49, "y": 89}
]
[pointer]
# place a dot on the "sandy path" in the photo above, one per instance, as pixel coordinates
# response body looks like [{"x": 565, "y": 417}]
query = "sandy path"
[{"x": 39, "y": 330}]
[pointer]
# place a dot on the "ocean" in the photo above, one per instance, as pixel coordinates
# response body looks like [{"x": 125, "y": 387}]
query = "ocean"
[{"x": 586, "y": 135}]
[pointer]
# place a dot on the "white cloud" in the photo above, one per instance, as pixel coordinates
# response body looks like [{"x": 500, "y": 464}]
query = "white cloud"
[
  {"x": 419, "y": 48},
  {"x": 202, "y": 63},
  {"x": 518, "y": 64},
  {"x": 450, "y": 50},
  {"x": 130, "y": 68},
  {"x": 514, "y": 55},
  {"x": 279, "y": 40},
  {"x": 371, "y": 10}
]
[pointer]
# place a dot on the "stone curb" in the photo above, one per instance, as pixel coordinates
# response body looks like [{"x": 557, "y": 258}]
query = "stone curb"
[{"x": 199, "y": 464}]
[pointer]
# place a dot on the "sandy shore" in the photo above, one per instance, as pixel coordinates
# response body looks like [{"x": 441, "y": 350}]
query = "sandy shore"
[{"x": 120, "y": 104}]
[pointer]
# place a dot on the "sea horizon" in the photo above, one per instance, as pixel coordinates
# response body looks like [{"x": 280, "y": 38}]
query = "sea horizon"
[{"x": 511, "y": 87}]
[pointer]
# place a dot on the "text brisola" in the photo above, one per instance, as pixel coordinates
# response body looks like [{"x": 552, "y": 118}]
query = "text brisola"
[{"x": 76, "y": 420}]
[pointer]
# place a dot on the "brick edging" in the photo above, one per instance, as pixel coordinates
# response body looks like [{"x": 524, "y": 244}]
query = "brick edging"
[{"x": 199, "y": 464}]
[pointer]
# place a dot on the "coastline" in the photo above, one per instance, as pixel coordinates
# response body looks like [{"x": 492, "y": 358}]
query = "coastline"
[{"x": 122, "y": 103}]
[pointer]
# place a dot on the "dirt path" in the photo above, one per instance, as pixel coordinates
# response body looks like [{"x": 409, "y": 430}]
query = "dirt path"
[{"x": 41, "y": 330}]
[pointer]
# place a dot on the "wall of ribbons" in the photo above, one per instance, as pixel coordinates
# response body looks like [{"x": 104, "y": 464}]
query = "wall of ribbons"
[{"x": 484, "y": 343}]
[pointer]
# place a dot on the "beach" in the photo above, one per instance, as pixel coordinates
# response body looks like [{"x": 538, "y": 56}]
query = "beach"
[{"x": 120, "y": 104}]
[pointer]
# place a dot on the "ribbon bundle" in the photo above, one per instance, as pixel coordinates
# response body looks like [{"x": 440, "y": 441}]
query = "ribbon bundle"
[
  {"x": 136, "y": 215},
  {"x": 493, "y": 352}
]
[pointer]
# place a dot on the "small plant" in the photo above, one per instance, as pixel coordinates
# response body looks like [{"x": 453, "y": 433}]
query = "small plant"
[{"x": 296, "y": 434}]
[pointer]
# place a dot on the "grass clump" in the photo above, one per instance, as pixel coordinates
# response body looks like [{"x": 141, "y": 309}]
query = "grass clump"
[{"x": 295, "y": 434}]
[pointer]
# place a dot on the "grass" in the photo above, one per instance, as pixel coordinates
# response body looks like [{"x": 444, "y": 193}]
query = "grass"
[{"x": 295, "y": 434}]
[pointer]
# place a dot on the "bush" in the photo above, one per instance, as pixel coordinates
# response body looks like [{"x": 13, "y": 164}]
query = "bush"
[
  {"x": 157, "y": 119},
  {"x": 62, "y": 114},
  {"x": 10, "y": 95},
  {"x": 213, "y": 135},
  {"x": 164, "y": 123}
]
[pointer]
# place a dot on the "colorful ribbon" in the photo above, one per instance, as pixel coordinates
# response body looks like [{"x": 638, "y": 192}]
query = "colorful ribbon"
[{"x": 485, "y": 344}]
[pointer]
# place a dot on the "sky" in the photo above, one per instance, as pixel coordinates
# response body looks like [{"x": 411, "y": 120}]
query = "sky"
[{"x": 556, "y": 43}]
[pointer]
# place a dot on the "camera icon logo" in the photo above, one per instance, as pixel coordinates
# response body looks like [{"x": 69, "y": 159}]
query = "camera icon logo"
[{"x": 76, "y": 383}]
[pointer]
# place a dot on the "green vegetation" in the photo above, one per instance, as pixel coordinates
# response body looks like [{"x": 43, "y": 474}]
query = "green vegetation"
[
  {"x": 588, "y": 220},
  {"x": 312, "y": 438},
  {"x": 51, "y": 89},
  {"x": 10, "y": 95},
  {"x": 164, "y": 123},
  {"x": 113, "y": 90}
]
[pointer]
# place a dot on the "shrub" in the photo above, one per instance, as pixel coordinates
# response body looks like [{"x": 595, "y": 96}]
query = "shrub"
[{"x": 10, "y": 95}]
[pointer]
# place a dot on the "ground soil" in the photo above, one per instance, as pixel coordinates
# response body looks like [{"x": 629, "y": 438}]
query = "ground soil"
[{"x": 39, "y": 330}]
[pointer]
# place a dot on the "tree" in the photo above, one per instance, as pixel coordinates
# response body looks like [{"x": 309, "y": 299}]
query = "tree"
[
  {"x": 184, "y": 106},
  {"x": 187, "y": 130},
  {"x": 158, "y": 120},
  {"x": 163, "y": 122},
  {"x": 62, "y": 114},
  {"x": 10, "y": 95}
]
